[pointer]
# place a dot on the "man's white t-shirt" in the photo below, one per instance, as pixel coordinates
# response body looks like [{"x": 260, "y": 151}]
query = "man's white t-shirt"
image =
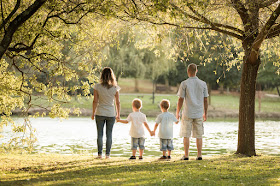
[
  {"x": 193, "y": 90},
  {"x": 166, "y": 121},
  {"x": 137, "y": 120}
]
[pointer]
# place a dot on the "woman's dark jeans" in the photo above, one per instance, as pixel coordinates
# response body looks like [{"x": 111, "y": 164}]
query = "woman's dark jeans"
[{"x": 100, "y": 122}]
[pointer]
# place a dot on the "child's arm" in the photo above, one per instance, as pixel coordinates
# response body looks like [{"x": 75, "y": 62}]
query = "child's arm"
[
  {"x": 156, "y": 126},
  {"x": 122, "y": 121},
  {"x": 177, "y": 122},
  {"x": 148, "y": 128}
]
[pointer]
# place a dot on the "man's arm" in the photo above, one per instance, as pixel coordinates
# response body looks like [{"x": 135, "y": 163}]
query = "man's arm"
[
  {"x": 205, "y": 109},
  {"x": 179, "y": 106}
]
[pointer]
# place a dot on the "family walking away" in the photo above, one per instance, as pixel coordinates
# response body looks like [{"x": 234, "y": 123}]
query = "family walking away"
[{"x": 192, "y": 95}]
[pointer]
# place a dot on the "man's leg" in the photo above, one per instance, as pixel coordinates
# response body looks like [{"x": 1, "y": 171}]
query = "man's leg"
[
  {"x": 199, "y": 146},
  {"x": 186, "y": 146}
]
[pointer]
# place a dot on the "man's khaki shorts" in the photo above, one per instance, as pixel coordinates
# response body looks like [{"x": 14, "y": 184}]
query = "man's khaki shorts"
[{"x": 192, "y": 126}]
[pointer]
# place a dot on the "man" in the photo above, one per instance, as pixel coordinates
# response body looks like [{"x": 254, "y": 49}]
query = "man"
[{"x": 193, "y": 94}]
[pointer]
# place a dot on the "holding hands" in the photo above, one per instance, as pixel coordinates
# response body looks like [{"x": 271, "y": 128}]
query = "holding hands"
[{"x": 152, "y": 133}]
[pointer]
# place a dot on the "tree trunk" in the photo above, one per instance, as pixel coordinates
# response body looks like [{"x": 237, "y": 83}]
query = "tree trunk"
[
  {"x": 278, "y": 90},
  {"x": 246, "y": 132},
  {"x": 136, "y": 85}
]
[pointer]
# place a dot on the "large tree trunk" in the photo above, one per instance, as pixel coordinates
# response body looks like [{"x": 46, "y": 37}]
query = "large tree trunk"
[{"x": 246, "y": 132}]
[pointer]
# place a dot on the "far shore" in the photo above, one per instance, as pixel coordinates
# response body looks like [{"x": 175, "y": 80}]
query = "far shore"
[{"x": 212, "y": 113}]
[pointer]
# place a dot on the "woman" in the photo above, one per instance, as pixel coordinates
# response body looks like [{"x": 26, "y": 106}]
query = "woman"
[{"x": 103, "y": 109}]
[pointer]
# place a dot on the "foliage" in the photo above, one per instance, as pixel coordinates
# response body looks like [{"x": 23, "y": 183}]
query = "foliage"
[
  {"x": 84, "y": 170},
  {"x": 49, "y": 49}
]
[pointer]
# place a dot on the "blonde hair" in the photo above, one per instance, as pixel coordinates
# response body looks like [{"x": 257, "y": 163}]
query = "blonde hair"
[
  {"x": 165, "y": 103},
  {"x": 192, "y": 68},
  {"x": 137, "y": 103},
  {"x": 107, "y": 78}
]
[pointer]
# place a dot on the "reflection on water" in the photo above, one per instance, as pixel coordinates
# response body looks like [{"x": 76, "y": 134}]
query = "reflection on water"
[{"x": 78, "y": 135}]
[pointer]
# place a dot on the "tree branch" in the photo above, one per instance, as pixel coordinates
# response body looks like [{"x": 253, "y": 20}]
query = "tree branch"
[
  {"x": 274, "y": 31},
  {"x": 213, "y": 26},
  {"x": 10, "y": 15},
  {"x": 263, "y": 34},
  {"x": 242, "y": 11},
  {"x": 267, "y": 3},
  {"x": 16, "y": 23}
]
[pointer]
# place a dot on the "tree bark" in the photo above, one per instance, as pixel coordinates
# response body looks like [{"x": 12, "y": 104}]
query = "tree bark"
[
  {"x": 278, "y": 90},
  {"x": 246, "y": 131}
]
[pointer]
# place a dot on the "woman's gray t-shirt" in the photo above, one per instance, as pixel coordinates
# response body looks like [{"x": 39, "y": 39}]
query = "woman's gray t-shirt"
[{"x": 105, "y": 106}]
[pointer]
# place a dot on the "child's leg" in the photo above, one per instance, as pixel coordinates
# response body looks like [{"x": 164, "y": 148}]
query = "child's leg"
[
  {"x": 169, "y": 152},
  {"x": 164, "y": 153},
  {"x": 141, "y": 146},
  {"x": 134, "y": 152},
  {"x": 141, "y": 151}
]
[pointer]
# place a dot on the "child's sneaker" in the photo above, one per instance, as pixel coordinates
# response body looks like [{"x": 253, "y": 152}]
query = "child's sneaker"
[
  {"x": 140, "y": 157},
  {"x": 132, "y": 158},
  {"x": 163, "y": 158},
  {"x": 199, "y": 158},
  {"x": 168, "y": 157}
]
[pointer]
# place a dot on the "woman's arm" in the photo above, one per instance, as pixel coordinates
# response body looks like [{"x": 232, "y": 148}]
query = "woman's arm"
[
  {"x": 94, "y": 103},
  {"x": 122, "y": 121},
  {"x": 118, "y": 105}
]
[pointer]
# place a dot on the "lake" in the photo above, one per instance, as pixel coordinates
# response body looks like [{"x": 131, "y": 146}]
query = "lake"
[{"x": 78, "y": 135}]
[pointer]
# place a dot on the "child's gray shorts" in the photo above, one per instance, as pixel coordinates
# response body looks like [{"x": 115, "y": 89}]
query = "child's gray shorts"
[
  {"x": 166, "y": 144},
  {"x": 135, "y": 142}
]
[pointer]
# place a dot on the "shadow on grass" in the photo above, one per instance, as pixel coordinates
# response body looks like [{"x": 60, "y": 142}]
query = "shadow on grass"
[{"x": 218, "y": 171}]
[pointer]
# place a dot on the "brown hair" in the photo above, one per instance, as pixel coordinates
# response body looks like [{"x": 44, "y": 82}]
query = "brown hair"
[
  {"x": 137, "y": 103},
  {"x": 165, "y": 103},
  {"x": 107, "y": 78},
  {"x": 192, "y": 68}
]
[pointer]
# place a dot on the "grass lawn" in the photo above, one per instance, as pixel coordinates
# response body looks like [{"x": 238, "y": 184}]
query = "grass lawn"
[{"x": 85, "y": 170}]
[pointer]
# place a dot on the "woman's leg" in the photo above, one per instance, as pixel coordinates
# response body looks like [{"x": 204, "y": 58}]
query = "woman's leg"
[
  {"x": 110, "y": 121},
  {"x": 100, "y": 121}
]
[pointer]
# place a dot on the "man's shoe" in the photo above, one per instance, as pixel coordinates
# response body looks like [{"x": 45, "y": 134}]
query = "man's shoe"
[
  {"x": 185, "y": 158},
  {"x": 199, "y": 158}
]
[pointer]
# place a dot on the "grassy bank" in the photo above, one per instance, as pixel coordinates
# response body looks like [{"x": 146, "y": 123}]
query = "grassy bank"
[
  {"x": 222, "y": 105},
  {"x": 84, "y": 170}
]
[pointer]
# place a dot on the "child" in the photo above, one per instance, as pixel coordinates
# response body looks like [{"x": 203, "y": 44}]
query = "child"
[
  {"x": 137, "y": 132},
  {"x": 165, "y": 120}
]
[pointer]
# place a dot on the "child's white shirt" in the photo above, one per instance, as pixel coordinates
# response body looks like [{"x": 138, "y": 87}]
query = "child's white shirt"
[
  {"x": 166, "y": 121},
  {"x": 137, "y": 120}
]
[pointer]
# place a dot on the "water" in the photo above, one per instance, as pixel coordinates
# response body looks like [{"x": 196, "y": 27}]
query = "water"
[{"x": 78, "y": 135}]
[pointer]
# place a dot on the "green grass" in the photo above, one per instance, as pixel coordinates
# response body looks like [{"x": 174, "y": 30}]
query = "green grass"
[{"x": 84, "y": 170}]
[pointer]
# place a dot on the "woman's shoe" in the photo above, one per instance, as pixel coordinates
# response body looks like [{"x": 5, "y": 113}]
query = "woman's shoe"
[{"x": 99, "y": 157}]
